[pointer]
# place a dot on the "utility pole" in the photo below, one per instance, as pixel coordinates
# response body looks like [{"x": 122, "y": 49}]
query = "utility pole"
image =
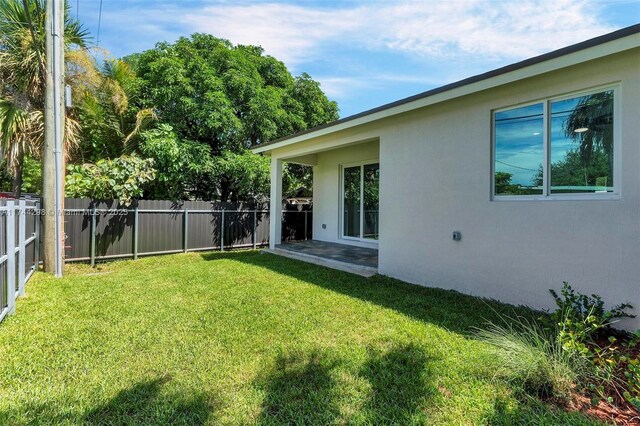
[{"x": 53, "y": 156}]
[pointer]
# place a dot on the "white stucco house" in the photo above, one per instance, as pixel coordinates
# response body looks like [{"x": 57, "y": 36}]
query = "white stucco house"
[{"x": 502, "y": 185}]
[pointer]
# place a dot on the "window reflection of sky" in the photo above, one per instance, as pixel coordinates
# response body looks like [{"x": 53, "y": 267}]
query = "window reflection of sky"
[{"x": 519, "y": 143}]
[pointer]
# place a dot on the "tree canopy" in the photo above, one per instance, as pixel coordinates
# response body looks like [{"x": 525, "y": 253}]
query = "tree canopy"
[
  {"x": 229, "y": 97},
  {"x": 175, "y": 121}
]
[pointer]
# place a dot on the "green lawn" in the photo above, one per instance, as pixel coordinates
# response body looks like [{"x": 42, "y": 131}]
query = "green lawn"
[{"x": 245, "y": 338}]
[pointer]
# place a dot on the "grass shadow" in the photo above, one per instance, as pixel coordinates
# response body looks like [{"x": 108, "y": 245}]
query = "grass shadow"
[
  {"x": 305, "y": 389},
  {"x": 401, "y": 385},
  {"x": 299, "y": 391},
  {"x": 145, "y": 404},
  {"x": 449, "y": 309}
]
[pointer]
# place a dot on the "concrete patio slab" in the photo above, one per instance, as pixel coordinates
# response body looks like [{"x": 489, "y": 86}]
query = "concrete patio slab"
[{"x": 357, "y": 260}]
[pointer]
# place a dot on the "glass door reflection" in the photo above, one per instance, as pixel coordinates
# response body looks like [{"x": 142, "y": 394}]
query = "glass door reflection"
[
  {"x": 352, "y": 189},
  {"x": 371, "y": 184},
  {"x": 360, "y": 196}
]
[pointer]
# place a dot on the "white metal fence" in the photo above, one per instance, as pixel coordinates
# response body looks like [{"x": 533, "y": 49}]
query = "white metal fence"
[{"x": 19, "y": 250}]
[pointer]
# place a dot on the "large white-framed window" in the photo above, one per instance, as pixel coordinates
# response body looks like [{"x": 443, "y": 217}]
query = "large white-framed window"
[
  {"x": 360, "y": 200},
  {"x": 563, "y": 147}
]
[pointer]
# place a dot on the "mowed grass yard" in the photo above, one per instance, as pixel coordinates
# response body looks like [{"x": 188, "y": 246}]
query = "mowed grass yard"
[{"x": 250, "y": 338}]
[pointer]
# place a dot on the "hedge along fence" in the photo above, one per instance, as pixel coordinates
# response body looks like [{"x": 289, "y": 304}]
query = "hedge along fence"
[
  {"x": 107, "y": 230},
  {"x": 19, "y": 249}
]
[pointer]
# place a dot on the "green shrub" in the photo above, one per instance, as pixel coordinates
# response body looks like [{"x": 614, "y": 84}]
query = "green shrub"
[
  {"x": 632, "y": 374},
  {"x": 582, "y": 318},
  {"x": 531, "y": 356},
  {"x": 122, "y": 178},
  {"x": 584, "y": 329}
]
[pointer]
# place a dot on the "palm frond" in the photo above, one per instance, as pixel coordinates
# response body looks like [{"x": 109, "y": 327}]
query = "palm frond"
[
  {"x": 144, "y": 118},
  {"x": 23, "y": 45},
  {"x": 21, "y": 131}
]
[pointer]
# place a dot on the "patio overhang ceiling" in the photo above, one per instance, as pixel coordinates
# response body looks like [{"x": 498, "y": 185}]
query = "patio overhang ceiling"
[
  {"x": 598, "y": 47},
  {"x": 307, "y": 153},
  {"x": 305, "y": 160}
]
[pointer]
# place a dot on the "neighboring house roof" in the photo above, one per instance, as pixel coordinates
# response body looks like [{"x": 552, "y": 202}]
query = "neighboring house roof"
[{"x": 608, "y": 44}]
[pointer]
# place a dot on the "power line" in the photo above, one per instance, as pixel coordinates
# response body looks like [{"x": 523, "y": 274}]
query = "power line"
[
  {"x": 517, "y": 122},
  {"x": 518, "y": 117},
  {"x": 99, "y": 22},
  {"x": 517, "y": 167}
]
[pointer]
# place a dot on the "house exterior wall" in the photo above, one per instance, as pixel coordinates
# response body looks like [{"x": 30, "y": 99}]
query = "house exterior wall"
[{"x": 435, "y": 167}]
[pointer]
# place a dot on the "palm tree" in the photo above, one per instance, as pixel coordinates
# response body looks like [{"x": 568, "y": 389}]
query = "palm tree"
[
  {"x": 22, "y": 80},
  {"x": 112, "y": 125},
  {"x": 591, "y": 124}
]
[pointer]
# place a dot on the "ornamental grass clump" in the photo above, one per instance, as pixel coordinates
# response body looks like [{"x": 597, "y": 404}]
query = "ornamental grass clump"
[
  {"x": 572, "y": 352},
  {"x": 531, "y": 357}
]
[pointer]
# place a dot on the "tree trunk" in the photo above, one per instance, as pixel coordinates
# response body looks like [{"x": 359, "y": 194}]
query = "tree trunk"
[{"x": 16, "y": 184}]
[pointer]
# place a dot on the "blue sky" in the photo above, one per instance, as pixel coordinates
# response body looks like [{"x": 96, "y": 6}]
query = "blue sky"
[{"x": 366, "y": 53}]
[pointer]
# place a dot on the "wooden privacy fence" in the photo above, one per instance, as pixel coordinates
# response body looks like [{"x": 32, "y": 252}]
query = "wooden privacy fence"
[
  {"x": 108, "y": 230},
  {"x": 19, "y": 249}
]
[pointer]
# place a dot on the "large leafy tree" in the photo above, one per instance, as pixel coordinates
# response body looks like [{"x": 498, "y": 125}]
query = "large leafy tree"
[
  {"x": 188, "y": 170},
  {"x": 184, "y": 167},
  {"x": 105, "y": 163},
  {"x": 22, "y": 80},
  {"x": 226, "y": 96}
]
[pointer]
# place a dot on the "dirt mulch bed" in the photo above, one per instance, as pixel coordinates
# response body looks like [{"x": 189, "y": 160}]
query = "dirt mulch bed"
[{"x": 621, "y": 414}]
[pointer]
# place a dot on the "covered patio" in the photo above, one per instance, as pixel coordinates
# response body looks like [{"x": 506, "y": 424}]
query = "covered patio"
[
  {"x": 358, "y": 260},
  {"x": 346, "y": 182}
]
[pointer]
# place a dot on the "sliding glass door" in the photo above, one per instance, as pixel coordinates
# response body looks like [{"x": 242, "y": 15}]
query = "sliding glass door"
[
  {"x": 352, "y": 191},
  {"x": 360, "y": 201},
  {"x": 370, "y": 200}
]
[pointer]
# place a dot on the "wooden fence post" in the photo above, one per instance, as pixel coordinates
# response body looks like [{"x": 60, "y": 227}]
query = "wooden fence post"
[
  {"x": 11, "y": 257},
  {"x": 22, "y": 237}
]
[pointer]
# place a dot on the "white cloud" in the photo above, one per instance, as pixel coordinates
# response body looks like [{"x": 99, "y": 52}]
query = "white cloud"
[
  {"x": 492, "y": 29},
  {"x": 350, "y": 47},
  {"x": 288, "y": 32},
  {"x": 337, "y": 87}
]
